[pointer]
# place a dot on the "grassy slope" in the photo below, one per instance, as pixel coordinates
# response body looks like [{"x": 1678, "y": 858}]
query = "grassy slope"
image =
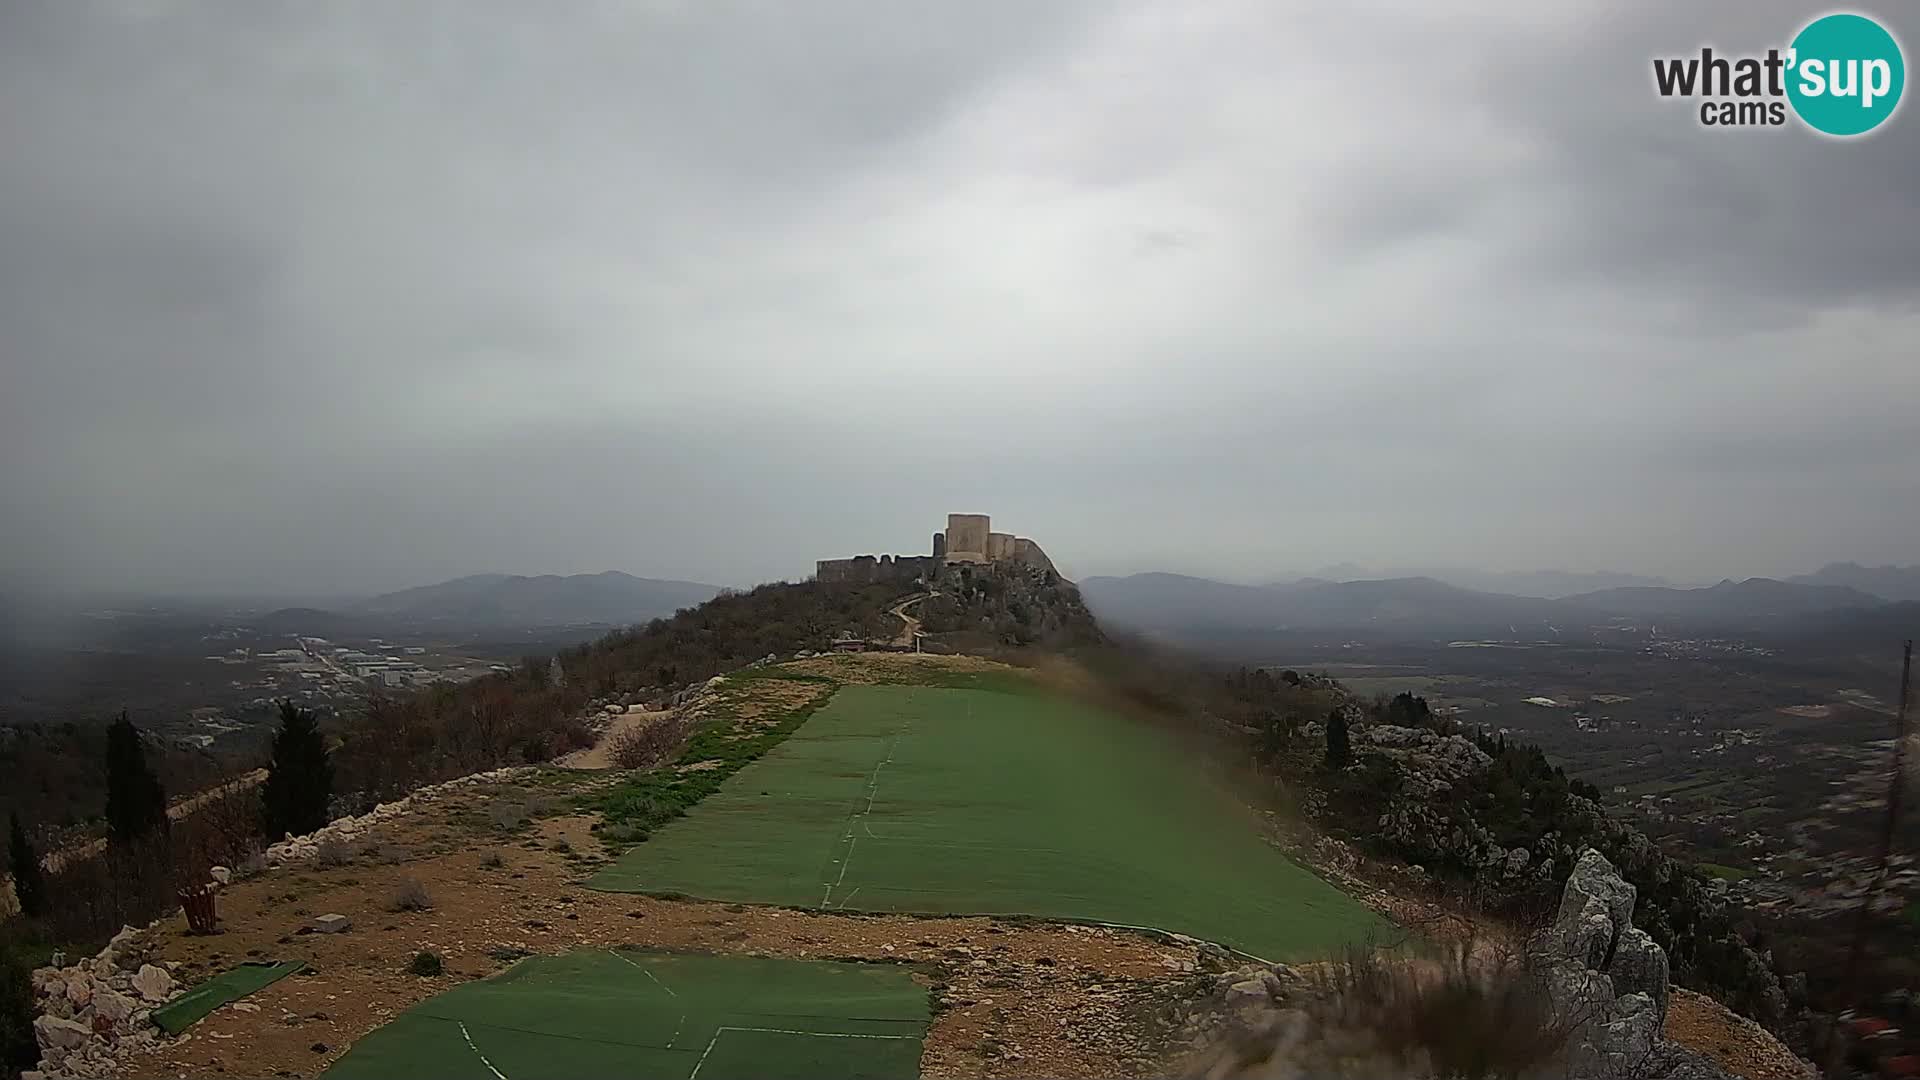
[{"x": 1002, "y": 801}]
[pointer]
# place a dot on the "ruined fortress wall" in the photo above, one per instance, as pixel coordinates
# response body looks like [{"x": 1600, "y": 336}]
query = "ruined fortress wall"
[
  {"x": 908, "y": 567},
  {"x": 1027, "y": 552},
  {"x": 866, "y": 569},
  {"x": 858, "y": 570},
  {"x": 967, "y": 537},
  {"x": 999, "y": 546}
]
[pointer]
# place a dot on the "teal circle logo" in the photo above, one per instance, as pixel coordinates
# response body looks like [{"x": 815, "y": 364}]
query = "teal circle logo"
[{"x": 1845, "y": 75}]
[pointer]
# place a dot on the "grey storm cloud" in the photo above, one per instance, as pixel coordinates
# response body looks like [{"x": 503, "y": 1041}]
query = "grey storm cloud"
[{"x": 357, "y": 295}]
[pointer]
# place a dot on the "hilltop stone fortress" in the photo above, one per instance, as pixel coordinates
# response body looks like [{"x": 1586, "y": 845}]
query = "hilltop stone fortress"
[{"x": 968, "y": 539}]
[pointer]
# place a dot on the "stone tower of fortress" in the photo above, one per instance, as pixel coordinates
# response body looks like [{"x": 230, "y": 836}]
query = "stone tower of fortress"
[{"x": 969, "y": 539}]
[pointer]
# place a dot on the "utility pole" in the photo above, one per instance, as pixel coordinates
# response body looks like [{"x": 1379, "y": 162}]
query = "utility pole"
[{"x": 1896, "y": 786}]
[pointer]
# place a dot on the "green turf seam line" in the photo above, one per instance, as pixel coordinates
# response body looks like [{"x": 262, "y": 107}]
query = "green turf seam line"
[
  {"x": 648, "y": 972},
  {"x": 873, "y": 789},
  {"x": 419, "y": 1010},
  {"x": 477, "y": 1053},
  {"x": 715, "y": 1041}
]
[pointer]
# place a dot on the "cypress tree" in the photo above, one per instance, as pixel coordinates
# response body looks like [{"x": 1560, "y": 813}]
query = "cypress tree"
[
  {"x": 29, "y": 885},
  {"x": 18, "y": 1048},
  {"x": 300, "y": 778},
  {"x": 1339, "y": 750},
  {"x": 136, "y": 804}
]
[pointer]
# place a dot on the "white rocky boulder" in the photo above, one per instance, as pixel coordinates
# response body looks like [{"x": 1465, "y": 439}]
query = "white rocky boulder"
[
  {"x": 79, "y": 989},
  {"x": 114, "y": 1006},
  {"x": 153, "y": 983},
  {"x": 54, "y": 1033}
]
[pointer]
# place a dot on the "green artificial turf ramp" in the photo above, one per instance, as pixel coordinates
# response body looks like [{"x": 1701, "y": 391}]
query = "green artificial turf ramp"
[
  {"x": 189, "y": 1008},
  {"x": 658, "y": 1015},
  {"x": 957, "y": 801}
]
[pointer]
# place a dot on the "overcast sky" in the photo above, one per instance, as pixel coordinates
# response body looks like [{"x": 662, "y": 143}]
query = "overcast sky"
[{"x": 358, "y": 295}]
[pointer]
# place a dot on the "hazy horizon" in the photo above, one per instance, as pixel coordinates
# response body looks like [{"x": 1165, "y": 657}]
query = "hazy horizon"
[
  {"x": 347, "y": 298},
  {"x": 1468, "y": 577}
]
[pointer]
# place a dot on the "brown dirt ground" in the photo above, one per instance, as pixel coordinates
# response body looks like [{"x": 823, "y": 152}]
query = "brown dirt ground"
[
  {"x": 600, "y": 754},
  {"x": 760, "y": 702},
  {"x": 1013, "y": 997},
  {"x": 867, "y": 668},
  {"x": 1734, "y": 1042}
]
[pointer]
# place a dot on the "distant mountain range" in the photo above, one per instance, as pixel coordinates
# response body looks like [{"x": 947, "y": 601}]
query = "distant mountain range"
[
  {"x": 1547, "y": 584},
  {"x": 1737, "y": 599},
  {"x": 1897, "y": 583},
  {"x": 611, "y": 598},
  {"x": 1426, "y": 607},
  {"x": 1417, "y": 604}
]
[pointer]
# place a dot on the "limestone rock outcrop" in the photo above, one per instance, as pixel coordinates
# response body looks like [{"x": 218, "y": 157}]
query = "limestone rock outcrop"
[{"x": 1608, "y": 983}]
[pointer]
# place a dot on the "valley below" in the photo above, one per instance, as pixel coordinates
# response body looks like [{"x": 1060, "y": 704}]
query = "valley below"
[{"x": 1767, "y": 766}]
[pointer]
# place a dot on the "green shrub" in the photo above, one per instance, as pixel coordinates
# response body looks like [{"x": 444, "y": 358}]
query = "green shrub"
[{"x": 426, "y": 964}]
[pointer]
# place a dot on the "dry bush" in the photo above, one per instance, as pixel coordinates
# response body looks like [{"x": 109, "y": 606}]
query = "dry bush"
[
  {"x": 333, "y": 853},
  {"x": 493, "y": 860},
  {"x": 93, "y": 896},
  {"x": 1472, "y": 1010},
  {"x": 649, "y": 744},
  {"x": 507, "y": 814},
  {"x": 221, "y": 831},
  {"x": 410, "y": 895}
]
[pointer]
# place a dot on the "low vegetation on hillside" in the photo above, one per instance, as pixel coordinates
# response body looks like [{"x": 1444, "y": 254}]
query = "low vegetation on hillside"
[
  {"x": 531, "y": 714},
  {"x": 1487, "y": 818}
]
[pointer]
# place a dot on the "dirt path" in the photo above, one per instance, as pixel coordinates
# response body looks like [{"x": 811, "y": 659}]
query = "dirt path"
[
  {"x": 909, "y": 626},
  {"x": 600, "y": 755}
]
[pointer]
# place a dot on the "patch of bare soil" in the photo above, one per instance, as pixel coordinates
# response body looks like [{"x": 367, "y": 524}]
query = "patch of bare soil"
[
  {"x": 1013, "y": 997},
  {"x": 1730, "y": 1040},
  {"x": 600, "y": 754},
  {"x": 759, "y": 703},
  {"x": 868, "y": 668}
]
